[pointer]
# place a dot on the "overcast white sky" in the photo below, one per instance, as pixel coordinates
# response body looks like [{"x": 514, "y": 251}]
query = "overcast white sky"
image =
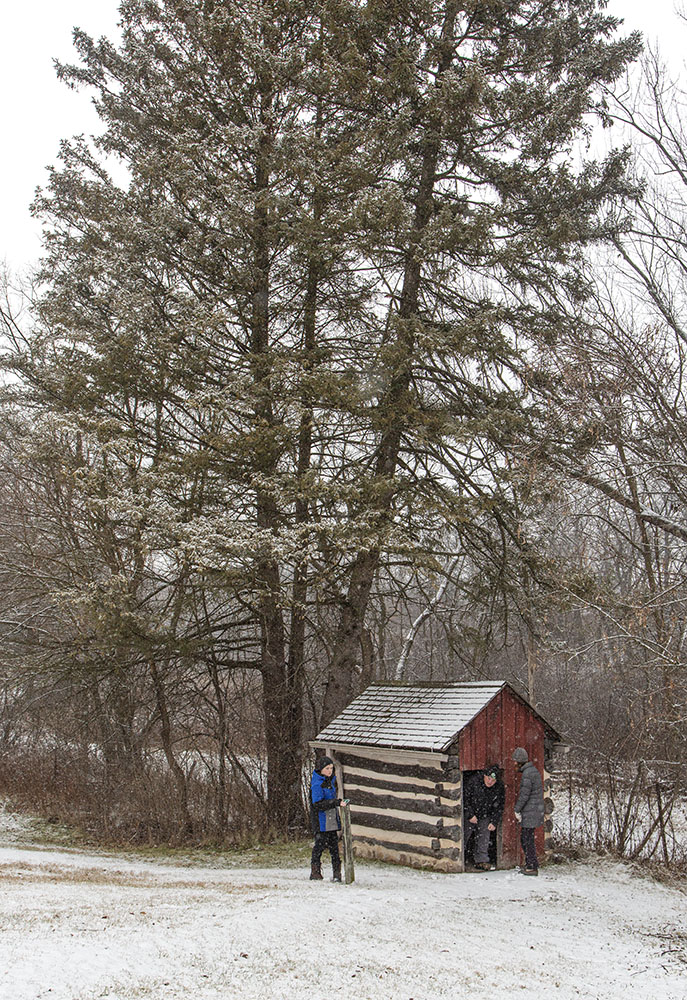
[{"x": 37, "y": 111}]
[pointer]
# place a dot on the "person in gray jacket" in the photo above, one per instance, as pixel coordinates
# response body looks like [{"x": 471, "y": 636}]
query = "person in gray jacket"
[{"x": 529, "y": 808}]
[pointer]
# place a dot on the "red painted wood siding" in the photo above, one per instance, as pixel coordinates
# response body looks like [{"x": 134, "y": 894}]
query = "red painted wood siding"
[{"x": 502, "y": 725}]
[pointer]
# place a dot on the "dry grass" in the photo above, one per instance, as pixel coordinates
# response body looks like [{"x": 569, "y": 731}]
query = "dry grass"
[{"x": 55, "y": 874}]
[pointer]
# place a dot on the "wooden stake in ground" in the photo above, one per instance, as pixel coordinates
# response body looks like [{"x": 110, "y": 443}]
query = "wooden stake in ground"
[{"x": 349, "y": 867}]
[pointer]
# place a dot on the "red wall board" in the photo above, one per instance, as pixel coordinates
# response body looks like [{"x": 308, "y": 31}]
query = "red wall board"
[{"x": 502, "y": 725}]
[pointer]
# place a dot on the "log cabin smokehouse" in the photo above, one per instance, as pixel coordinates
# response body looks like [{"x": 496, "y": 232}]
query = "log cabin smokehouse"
[{"x": 403, "y": 754}]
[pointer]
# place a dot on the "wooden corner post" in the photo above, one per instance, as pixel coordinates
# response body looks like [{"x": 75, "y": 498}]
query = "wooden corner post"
[{"x": 347, "y": 839}]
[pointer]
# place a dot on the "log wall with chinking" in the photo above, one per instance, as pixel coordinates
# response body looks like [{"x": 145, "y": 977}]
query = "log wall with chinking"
[{"x": 406, "y": 806}]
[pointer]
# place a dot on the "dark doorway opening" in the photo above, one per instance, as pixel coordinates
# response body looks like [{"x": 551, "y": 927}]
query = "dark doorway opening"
[{"x": 469, "y": 830}]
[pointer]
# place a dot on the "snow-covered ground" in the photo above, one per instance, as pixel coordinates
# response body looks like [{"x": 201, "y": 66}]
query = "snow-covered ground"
[{"x": 80, "y": 926}]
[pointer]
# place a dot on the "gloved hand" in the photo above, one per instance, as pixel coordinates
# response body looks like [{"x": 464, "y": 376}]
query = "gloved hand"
[{"x": 518, "y": 816}]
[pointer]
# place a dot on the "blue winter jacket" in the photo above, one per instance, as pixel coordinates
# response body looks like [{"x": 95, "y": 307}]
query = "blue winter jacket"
[{"x": 324, "y": 798}]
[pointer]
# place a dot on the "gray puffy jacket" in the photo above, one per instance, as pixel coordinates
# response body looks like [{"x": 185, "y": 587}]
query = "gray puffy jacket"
[{"x": 530, "y": 802}]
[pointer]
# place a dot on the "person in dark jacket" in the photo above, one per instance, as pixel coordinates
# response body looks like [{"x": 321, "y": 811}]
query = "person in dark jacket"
[
  {"x": 529, "y": 808},
  {"x": 324, "y": 818},
  {"x": 483, "y": 803}
]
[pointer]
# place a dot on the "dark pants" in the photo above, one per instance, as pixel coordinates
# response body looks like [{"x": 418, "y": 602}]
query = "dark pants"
[
  {"x": 482, "y": 839},
  {"x": 528, "y": 846},
  {"x": 329, "y": 839}
]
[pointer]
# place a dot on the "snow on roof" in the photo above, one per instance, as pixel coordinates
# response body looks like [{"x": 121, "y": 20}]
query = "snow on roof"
[{"x": 410, "y": 717}]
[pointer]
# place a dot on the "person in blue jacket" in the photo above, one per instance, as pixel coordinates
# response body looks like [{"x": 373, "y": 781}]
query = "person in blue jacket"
[{"x": 324, "y": 818}]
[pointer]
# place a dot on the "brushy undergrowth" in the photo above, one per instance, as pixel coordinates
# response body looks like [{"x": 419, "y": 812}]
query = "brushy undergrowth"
[{"x": 121, "y": 806}]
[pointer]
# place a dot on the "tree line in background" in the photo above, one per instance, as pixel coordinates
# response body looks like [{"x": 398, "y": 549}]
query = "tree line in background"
[{"x": 363, "y": 372}]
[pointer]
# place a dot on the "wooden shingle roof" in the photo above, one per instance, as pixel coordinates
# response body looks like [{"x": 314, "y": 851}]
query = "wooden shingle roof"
[{"x": 412, "y": 717}]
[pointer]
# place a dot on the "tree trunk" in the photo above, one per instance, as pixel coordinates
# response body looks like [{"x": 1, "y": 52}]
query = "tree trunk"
[
  {"x": 339, "y": 690},
  {"x": 277, "y": 710},
  {"x": 166, "y": 735}
]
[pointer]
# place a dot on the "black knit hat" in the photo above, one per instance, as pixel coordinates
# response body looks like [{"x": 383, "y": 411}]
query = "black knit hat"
[
  {"x": 492, "y": 771},
  {"x": 322, "y": 762}
]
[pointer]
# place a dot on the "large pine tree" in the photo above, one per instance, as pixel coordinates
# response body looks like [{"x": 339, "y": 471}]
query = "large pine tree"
[{"x": 302, "y": 327}]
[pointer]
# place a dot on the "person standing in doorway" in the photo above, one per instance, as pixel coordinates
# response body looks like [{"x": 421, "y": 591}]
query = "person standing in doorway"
[
  {"x": 529, "y": 808},
  {"x": 324, "y": 817},
  {"x": 483, "y": 807}
]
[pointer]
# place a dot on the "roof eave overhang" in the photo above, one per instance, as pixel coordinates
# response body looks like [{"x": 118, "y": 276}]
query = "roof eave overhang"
[{"x": 400, "y": 747}]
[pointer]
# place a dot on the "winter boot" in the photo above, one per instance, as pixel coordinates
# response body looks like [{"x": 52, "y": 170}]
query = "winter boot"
[
  {"x": 315, "y": 871},
  {"x": 336, "y": 876}
]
